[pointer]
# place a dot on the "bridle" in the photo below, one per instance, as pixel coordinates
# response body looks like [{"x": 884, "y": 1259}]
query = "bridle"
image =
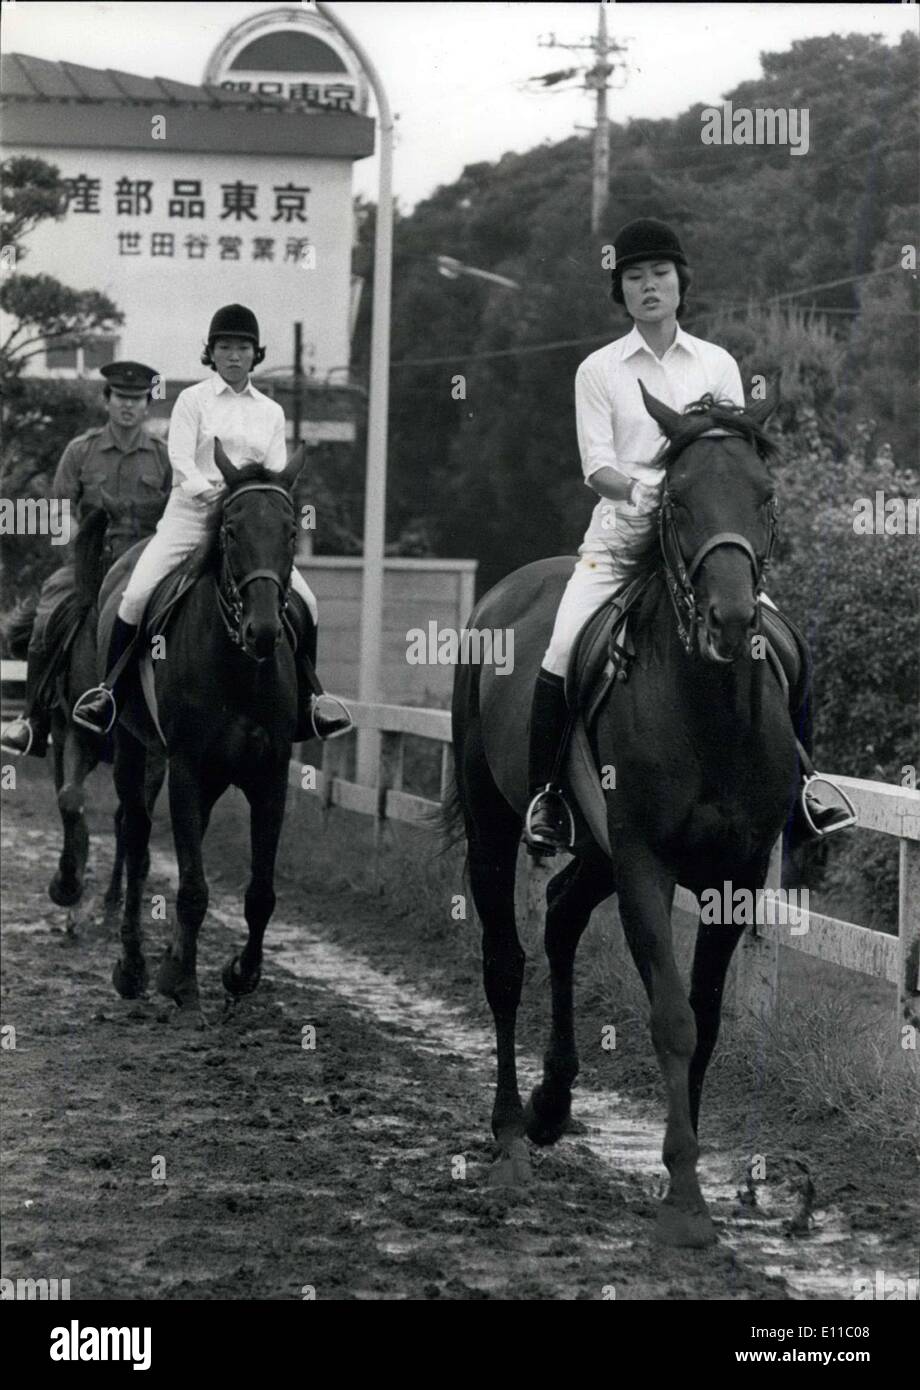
[
  {"x": 230, "y": 589},
  {"x": 679, "y": 575}
]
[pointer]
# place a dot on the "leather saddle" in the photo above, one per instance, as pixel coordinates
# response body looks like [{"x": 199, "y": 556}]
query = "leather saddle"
[
  {"x": 604, "y": 650},
  {"x": 603, "y": 653}
]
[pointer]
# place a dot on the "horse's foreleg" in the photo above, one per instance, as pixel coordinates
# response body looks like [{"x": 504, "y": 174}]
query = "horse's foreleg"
[
  {"x": 715, "y": 944},
  {"x": 177, "y": 976},
  {"x": 492, "y": 872},
  {"x": 113, "y": 895},
  {"x": 572, "y": 896},
  {"x": 646, "y": 893},
  {"x": 130, "y": 973},
  {"x": 266, "y": 814},
  {"x": 74, "y": 760}
]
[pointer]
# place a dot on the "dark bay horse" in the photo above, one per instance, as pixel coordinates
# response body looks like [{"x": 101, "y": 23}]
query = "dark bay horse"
[
  {"x": 71, "y": 626},
  {"x": 705, "y": 759},
  {"x": 226, "y": 692}
]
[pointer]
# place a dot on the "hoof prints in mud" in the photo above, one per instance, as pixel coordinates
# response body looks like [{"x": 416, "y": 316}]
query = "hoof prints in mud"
[{"x": 358, "y": 1168}]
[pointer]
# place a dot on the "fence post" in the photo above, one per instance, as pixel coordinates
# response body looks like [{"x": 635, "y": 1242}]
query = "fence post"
[
  {"x": 909, "y": 937},
  {"x": 332, "y": 757},
  {"x": 389, "y": 774},
  {"x": 757, "y": 973}
]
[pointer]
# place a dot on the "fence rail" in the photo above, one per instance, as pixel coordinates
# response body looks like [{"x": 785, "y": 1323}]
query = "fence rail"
[{"x": 892, "y": 810}]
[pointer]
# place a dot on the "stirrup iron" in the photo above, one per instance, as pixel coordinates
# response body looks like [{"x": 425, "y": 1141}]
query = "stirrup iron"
[
  {"x": 20, "y": 752},
  {"x": 537, "y": 843},
  {"x": 839, "y": 792},
  {"x": 340, "y": 708},
  {"x": 84, "y": 723}
]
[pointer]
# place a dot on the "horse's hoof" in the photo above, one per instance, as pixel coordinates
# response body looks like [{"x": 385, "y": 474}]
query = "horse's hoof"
[
  {"x": 545, "y": 1124},
  {"x": 235, "y": 982},
  {"x": 512, "y": 1167},
  {"x": 174, "y": 981},
  {"x": 189, "y": 1018},
  {"x": 64, "y": 897},
  {"x": 111, "y": 916},
  {"x": 692, "y": 1230},
  {"x": 130, "y": 981}
]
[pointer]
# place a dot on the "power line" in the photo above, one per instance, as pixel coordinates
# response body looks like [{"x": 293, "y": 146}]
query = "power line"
[{"x": 717, "y": 306}]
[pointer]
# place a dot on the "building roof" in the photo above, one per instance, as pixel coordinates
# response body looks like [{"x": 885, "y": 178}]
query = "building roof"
[
  {"x": 63, "y": 104},
  {"x": 23, "y": 77}
]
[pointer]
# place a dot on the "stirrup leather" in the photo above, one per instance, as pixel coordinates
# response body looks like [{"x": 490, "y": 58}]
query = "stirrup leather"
[
  {"x": 20, "y": 752},
  {"x": 340, "y": 708},
  {"x": 84, "y": 723},
  {"x": 528, "y": 819},
  {"x": 847, "y": 806}
]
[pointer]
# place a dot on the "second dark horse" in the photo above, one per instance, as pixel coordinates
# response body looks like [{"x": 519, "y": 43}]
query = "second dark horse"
[
  {"x": 226, "y": 693},
  {"x": 706, "y": 773}
]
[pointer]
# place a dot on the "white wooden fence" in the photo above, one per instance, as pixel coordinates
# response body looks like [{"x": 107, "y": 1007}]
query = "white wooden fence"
[
  {"x": 890, "y": 809},
  {"x": 879, "y": 806}
]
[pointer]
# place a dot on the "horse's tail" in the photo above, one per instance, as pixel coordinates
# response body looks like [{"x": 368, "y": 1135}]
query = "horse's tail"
[
  {"x": 89, "y": 563},
  {"x": 18, "y": 625},
  {"x": 450, "y": 820}
]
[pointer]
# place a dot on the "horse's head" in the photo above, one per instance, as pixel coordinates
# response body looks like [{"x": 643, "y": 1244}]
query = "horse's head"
[
  {"x": 717, "y": 521},
  {"x": 257, "y": 533}
]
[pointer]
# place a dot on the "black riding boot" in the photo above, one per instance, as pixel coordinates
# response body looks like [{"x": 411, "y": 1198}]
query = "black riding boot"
[
  {"x": 27, "y": 734},
  {"x": 318, "y": 715},
  {"x": 97, "y": 708},
  {"x": 548, "y": 825},
  {"x": 814, "y": 820}
]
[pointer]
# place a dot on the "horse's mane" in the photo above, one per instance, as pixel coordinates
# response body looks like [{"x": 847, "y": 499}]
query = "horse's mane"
[
  {"x": 252, "y": 473},
  {"x": 698, "y": 417}
]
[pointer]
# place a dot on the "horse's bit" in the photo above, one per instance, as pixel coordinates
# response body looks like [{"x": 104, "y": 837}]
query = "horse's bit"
[
  {"x": 230, "y": 589},
  {"x": 679, "y": 575}
]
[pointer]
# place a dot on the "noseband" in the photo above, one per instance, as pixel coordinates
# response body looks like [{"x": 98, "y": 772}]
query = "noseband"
[
  {"x": 679, "y": 575},
  {"x": 230, "y": 589}
]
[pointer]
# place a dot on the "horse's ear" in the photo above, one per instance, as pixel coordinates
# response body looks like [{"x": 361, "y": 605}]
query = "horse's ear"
[
  {"x": 761, "y": 411},
  {"x": 227, "y": 471},
  {"x": 666, "y": 418},
  {"x": 294, "y": 465}
]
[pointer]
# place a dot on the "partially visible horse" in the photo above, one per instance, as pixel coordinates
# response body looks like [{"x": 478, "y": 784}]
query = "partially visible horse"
[
  {"x": 226, "y": 699},
  {"x": 68, "y": 667},
  {"x": 706, "y": 772}
]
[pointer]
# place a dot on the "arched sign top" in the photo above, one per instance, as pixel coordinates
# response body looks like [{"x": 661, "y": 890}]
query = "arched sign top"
[
  {"x": 287, "y": 50},
  {"x": 293, "y": 54}
]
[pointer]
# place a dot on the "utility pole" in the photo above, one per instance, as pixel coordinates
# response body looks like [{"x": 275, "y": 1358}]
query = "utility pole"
[{"x": 596, "y": 79}]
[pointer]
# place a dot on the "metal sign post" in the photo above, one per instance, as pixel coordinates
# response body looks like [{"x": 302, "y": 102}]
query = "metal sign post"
[{"x": 378, "y": 406}]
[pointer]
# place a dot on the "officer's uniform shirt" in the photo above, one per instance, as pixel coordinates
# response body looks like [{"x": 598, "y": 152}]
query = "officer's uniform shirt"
[
  {"x": 249, "y": 424},
  {"x": 136, "y": 479},
  {"x": 615, "y": 429}
]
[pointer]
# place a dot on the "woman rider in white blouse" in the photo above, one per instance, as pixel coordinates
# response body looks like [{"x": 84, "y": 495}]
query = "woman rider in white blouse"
[
  {"x": 250, "y": 427},
  {"x": 618, "y": 439}
]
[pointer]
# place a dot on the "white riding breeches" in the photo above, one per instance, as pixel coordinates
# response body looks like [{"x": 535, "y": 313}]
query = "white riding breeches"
[
  {"x": 184, "y": 523},
  {"x": 599, "y": 572}
]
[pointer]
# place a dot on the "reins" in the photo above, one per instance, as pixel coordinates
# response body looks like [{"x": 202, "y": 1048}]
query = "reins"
[
  {"x": 230, "y": 589},
  {"x": 679, "y": 575}
]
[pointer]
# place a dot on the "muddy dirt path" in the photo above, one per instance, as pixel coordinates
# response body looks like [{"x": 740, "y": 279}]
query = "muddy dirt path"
[{"x": 144, "y": 1160}]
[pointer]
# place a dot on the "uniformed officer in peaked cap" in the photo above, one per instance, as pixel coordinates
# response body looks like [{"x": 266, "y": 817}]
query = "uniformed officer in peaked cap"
[{"x": 121, "y": 467}]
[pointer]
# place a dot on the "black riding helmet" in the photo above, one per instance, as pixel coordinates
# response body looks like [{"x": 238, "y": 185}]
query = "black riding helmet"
[
  {"x": 234, "y": 320},
  {"x": 647, "y": 239}
]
